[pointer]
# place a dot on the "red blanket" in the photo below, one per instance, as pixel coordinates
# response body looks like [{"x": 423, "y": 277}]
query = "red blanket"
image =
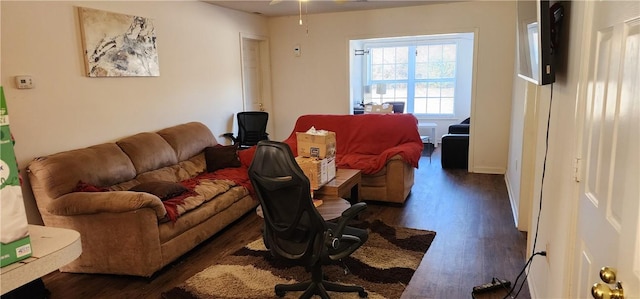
[
  {"x": 366, "y": 141},
  {"x": 237, "y": 175}
]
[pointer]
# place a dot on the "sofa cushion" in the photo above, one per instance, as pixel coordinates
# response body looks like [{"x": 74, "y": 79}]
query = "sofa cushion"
[
  {"x": 162, "y": 189},
  {"x": 58, "y": 174},
  {"x": 148, "y": 151},
  {"x": 219, "y": 157},
  {"x": 188, "y": 139}
]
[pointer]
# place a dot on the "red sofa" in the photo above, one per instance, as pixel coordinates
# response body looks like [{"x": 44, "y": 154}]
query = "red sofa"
[{"x": 385, "y": 147}]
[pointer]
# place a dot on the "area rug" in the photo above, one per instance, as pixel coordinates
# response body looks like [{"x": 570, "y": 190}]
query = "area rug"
[{"x": 383, "y": 265}]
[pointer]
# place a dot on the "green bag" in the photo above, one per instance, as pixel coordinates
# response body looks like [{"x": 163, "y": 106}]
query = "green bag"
[{"x": 15, "y": 243}]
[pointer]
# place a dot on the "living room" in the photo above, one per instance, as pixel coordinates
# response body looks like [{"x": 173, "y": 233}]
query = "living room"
[{"x": 200, "y": 80}]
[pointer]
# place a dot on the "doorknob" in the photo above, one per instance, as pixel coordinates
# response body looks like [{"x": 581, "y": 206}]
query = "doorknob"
[
  {"x": 261, "y": 107},
  {"x": 608, "y": 274},
  {"x": 602, "y": 290}
]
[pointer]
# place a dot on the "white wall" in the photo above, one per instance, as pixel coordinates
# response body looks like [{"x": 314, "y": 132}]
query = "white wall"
[
  {"x": 514, "y": 169},
  {"x": 318, "y": 80},
  {"x": 200, "y": 79},
  {"x": 549, "y": 277}
]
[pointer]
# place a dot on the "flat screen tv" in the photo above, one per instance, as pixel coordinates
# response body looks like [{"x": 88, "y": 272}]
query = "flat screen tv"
[{"x": 538, "y": 29}]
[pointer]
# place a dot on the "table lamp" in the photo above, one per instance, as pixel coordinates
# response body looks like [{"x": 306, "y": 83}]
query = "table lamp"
[{"x": 381, "y": 89}]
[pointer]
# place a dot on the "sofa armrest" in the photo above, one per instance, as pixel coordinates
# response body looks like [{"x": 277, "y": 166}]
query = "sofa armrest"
[
  {"x": 459, "y": 129},
  {"x": 82, "y": 203},
  {"x": 455, "y": 151},
  {"x": 410, "y": 152},
  {"x": 399, "y": 179}
]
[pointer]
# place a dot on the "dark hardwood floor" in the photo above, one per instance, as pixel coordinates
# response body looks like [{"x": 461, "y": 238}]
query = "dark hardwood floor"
[{"x": 476, "y": 241}]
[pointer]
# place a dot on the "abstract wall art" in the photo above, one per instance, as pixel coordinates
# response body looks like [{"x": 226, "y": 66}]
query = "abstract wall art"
[{"x": 118, "y": 45}]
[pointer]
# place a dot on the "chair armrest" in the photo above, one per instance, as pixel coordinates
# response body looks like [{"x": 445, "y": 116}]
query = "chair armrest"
[
  {"x": 83, "y": 203},
  {"x": 354, "y": 210},
  {"x": 347, "y": 215},
  {"x": 459, "y": 129},
  {"x": 230, "y": 136}
]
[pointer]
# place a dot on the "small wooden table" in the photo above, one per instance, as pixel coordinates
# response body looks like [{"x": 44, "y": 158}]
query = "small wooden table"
[
  {"x": 346, "y": 184},
  {"x": 52, "y": 247},
  {"x": 331, "y": 208}
]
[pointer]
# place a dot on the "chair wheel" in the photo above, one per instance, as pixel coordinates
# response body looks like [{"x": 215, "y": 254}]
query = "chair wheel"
[
  {"x": 363, "y": 294},
  {"x": 280, "y": 293}
]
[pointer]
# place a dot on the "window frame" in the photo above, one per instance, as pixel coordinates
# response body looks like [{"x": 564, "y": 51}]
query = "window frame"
[{"x": 411, "y": 81}]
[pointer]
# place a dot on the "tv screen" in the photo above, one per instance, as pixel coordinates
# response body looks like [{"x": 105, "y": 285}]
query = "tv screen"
[{"x": 538, "y": 24}]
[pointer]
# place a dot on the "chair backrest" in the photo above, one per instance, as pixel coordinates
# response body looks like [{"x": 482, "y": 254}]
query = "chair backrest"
[
  {"x": 252, "y": 127},
  {"x": 293, "y": 227}
]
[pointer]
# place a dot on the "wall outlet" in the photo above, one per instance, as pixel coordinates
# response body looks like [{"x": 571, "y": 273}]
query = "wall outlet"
[{"x": 546, "y": 248}]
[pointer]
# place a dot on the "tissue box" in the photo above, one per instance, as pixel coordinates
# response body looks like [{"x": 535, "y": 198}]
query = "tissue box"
[
  {"x": 384, "y": 108},
  {"x": 14, "y": 231},
  {"x": 316, "y": 146},
  {"x": 319, "y": 171}
]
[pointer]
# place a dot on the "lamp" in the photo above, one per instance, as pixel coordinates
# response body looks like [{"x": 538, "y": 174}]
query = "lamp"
[{"x": 381, "y": 89}]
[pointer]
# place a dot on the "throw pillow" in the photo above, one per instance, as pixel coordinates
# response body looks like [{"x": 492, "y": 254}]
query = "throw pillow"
[
  {"x": 161, "y": 189},
  {"x": 221, "y": 156},
  {"x": 86, "y": 187}
]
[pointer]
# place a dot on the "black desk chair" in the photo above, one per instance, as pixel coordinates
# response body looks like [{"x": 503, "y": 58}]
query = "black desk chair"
[
  {"x": 293, "y": 228},
  {"x": 252, "y": 127}
]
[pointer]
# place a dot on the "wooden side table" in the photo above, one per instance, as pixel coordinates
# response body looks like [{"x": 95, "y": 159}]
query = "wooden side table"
[
  {"x": 331, "y": 208},
  {"x": 52, "y": 248},
  {"x": 346, "y": 184}
]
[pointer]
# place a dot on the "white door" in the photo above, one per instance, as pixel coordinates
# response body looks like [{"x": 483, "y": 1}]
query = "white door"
[
  {"x": 608, "y": 231},
  {"x": 251, "y": 75},
  {"x": 255, "y": 76}
]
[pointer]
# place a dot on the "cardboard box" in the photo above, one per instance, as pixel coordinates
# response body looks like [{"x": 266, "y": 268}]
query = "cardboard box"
[
  {"x": 319, "y": 171},
  {"x": 14, "y": 231},
  {"x": 316, "y": 146},
  {"x": 384, "y": 108}
]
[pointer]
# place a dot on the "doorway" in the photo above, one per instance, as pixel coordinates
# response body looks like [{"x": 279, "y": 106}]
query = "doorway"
[
  {"x": 432, "y": 75},
  {"x": 256, "y": 81}
]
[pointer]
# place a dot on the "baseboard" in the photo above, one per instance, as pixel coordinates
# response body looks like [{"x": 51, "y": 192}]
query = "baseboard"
[
  {"x": 489, "y": 170},
  {"x": 514, "y": 208}
]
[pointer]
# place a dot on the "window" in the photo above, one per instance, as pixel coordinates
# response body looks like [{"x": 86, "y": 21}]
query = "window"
[
  {"x": 423, "y": 76},
  {"x": 431, "y": 74}
]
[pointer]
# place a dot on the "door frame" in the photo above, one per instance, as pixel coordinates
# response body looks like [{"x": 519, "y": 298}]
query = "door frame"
[{"x": 265, "y": 67}]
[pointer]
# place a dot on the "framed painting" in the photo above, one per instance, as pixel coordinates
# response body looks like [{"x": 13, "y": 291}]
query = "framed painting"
[{"x": 118, "y": 45}]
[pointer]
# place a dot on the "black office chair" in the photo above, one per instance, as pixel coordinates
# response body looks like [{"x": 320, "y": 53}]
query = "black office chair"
[
  {"x": 293, "y": 227},
  {"x": 252, "y": 127}
]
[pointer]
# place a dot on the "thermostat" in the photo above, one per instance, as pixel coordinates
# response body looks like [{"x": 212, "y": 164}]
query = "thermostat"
[{"x": 24, "y": 82}]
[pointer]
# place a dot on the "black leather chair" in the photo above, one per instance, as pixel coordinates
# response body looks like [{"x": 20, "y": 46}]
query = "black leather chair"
[
  {"x": 455, "y": 146},
  {"x": 252, "y": 128},
  {"x": 293, "y": 228}
]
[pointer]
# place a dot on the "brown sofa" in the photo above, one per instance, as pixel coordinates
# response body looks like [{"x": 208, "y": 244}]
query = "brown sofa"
[
  {"x": 127, "y": 232},
  {"x": 385, "y": 147}
]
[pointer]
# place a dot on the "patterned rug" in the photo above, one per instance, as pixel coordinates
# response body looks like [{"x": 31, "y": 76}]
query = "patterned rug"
[{"x": 383, "y": 265}]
